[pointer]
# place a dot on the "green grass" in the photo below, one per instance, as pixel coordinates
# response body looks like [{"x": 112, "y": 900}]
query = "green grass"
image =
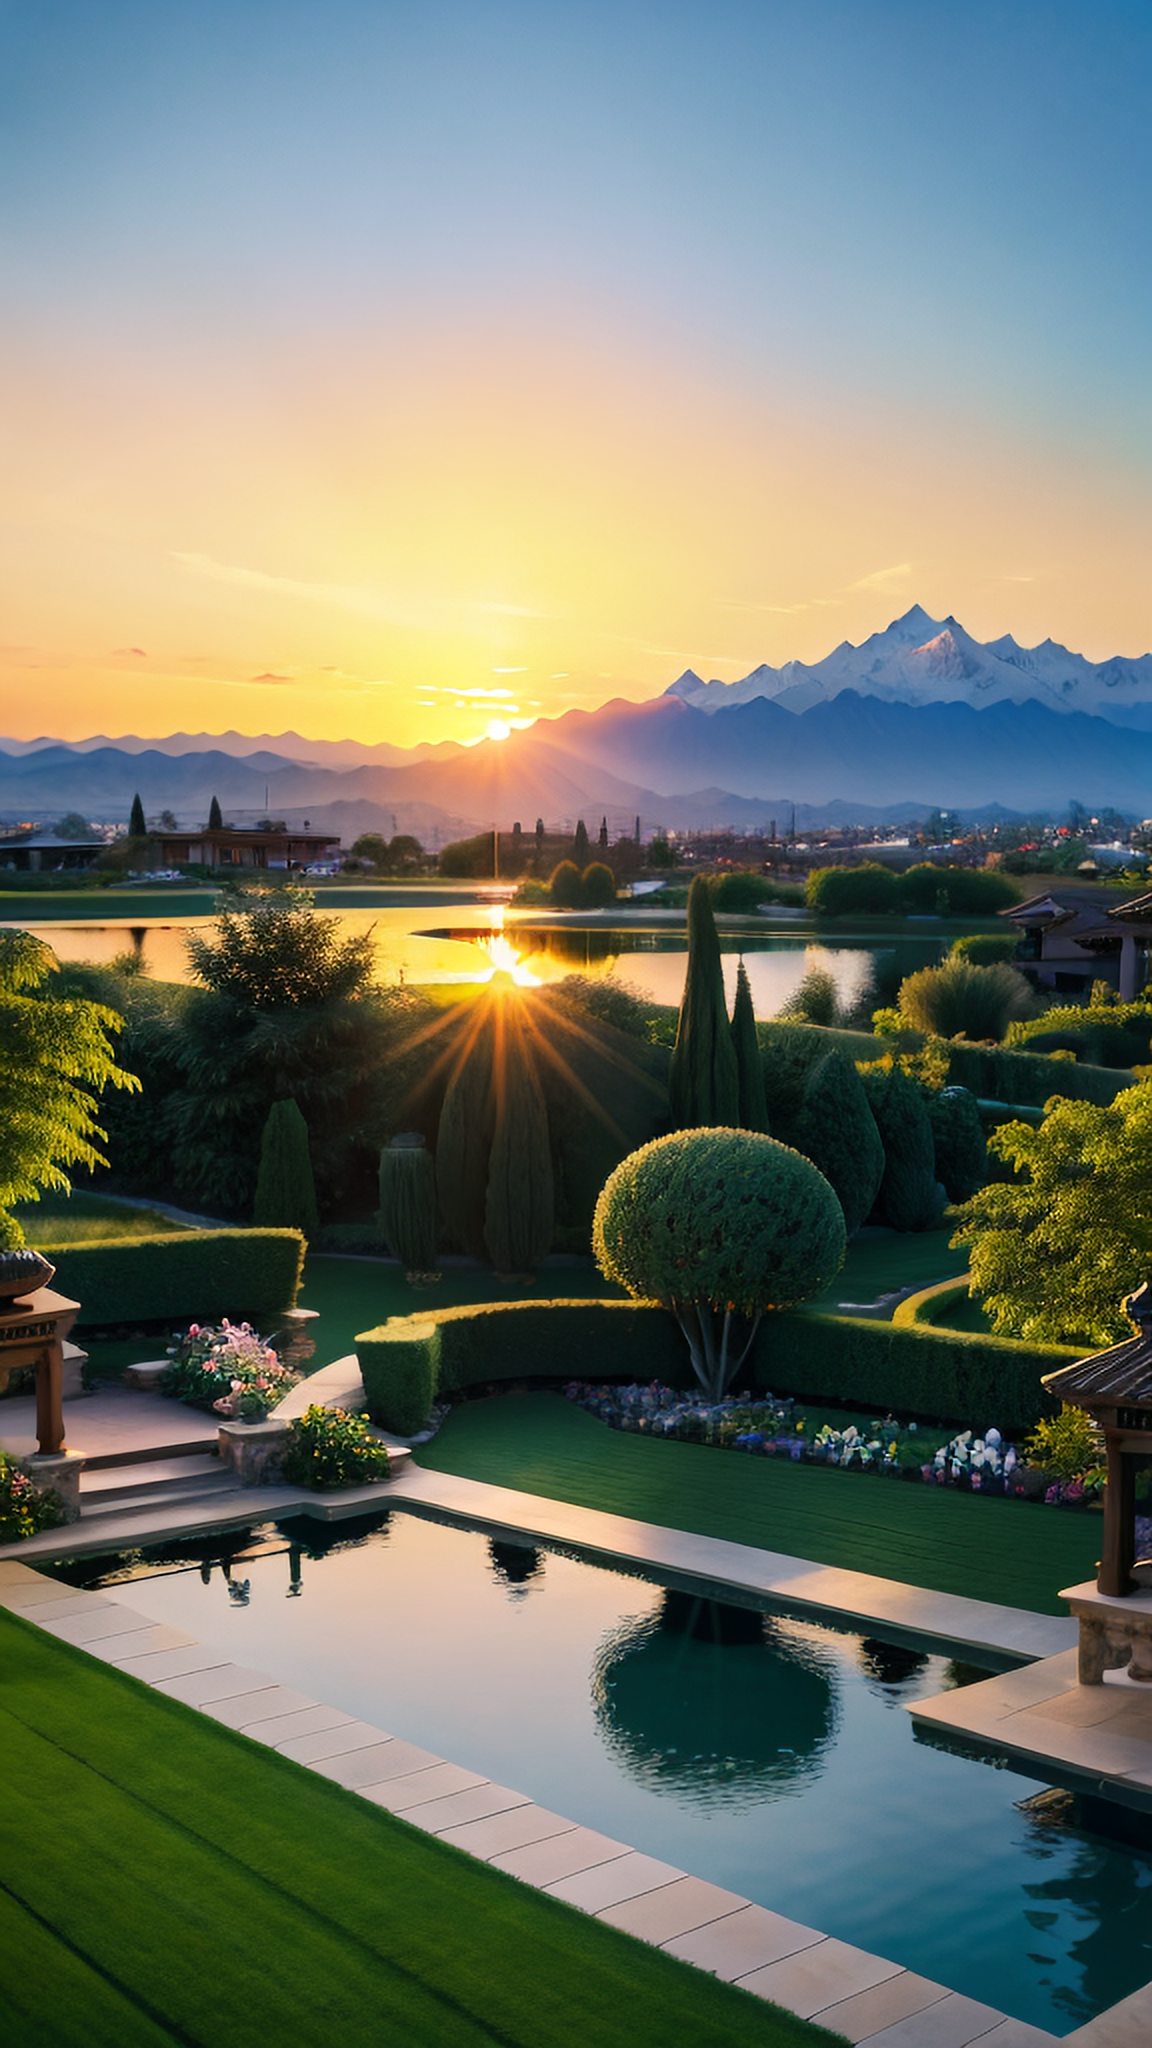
[
  {"x": 169, "y": 1881},
  {"x": 88, "y": 1219},
  {"x": 984, "y": 1549},
  {"x": 880, "y": 1261}
]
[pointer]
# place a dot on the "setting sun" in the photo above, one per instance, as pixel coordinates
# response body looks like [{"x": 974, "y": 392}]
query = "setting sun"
[{"x": 498, "y": 729}]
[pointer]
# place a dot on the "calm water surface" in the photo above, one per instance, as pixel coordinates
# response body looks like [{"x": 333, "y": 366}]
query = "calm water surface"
[
  {"x": 769, "y": 1755},
  {"x": 409, "y": 947}
]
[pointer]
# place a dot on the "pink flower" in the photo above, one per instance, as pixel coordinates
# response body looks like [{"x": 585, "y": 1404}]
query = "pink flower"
[{"x": 193, "y": 1329}]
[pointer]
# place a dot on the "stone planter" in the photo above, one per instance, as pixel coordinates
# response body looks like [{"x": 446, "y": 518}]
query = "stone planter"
[{"x": 254, "y": 1450}]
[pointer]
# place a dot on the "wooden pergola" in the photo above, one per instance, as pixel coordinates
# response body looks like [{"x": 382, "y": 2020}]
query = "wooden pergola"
[
  {"x": 33, "y": 1326},
  {"x": 1115, "y": 1388}
]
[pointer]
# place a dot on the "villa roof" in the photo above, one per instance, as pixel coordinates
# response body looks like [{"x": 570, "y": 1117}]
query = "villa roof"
[{"x": 1080, "y": 913}]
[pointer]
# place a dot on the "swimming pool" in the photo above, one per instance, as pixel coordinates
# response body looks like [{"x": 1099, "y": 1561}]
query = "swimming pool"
[{"x": 766, "y": 1754}]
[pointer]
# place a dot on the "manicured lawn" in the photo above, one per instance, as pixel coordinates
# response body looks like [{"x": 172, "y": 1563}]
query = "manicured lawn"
[
  {"x": 879, "y": 1261},
  {"x": 169, "y": 1881},
  {"x": 88, "y": 1219},
  {"x": 931, "y": 1536}
]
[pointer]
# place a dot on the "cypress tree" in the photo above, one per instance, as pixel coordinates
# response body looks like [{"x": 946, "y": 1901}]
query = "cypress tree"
[
  {"x": 285, "y": 1191},
  {"x": 137, "y": 827},
  {"x": 908, "y": 1198},
  {"x": 749, "y": 1066},
  {"x": 215, "y": 821},
  {"x": 703, "y": 1080},
  {"x": 603, "y": 835},
  {"x": 465, "y": 1141},
  {"x": 597, "y": 886},
  {"x": 837, "y": 1131},
  {"x": 567, "y": 886},
  {"x": 580, "y": 845},
  {"x": 408, "y": 1214},
  {"x": 958, "y": 1136},
  {"x": 518, "y": 1208}
]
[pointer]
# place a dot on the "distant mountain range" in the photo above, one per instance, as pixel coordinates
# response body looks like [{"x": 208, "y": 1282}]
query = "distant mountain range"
[
  {"x": 918, "y": 660},
  {"x": 919, "y": 715}
]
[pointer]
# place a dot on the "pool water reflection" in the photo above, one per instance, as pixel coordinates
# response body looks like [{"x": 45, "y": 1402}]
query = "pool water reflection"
[{"x": 766, "y": 1754}]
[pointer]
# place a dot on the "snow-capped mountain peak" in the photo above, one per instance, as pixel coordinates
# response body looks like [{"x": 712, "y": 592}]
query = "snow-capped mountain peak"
[{"x": 921, "y": 660}]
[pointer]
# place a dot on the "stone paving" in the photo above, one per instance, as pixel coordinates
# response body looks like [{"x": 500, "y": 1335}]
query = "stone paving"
[
  {"x": 1042, "y": 1714},
  {"x": 861, "y": 1996}
]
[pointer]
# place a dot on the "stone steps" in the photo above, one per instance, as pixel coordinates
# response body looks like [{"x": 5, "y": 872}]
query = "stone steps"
[{"x": 146, "y": 1483}]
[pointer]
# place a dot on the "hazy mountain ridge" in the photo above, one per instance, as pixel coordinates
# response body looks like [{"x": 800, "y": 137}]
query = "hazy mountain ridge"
[{"x": 920, "y": 660}]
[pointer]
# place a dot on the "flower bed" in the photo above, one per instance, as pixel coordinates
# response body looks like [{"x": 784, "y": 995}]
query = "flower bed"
[
  {"x": 228, "y": 1368},
  {"x": 25, "y": 1508},
  {"x": 773, "y": 1428},
  {"x": 330, "y": 1447}
]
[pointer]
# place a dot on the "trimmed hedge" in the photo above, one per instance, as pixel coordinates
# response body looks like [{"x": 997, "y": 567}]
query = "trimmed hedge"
[
  {"x": 989, "y": 1071},
  {"x": 253, "y": 1274},
  {"x": 931, "y": 1302},
  {"x": 934, "y": 1374},
  {"x": 939, "y": 1375}
]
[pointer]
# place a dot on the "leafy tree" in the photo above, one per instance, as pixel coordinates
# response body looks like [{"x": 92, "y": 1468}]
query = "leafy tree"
[
  {"x": 837, "y": 1131},
  {"x": 408, "y": 1213},
  {"x": 215, "y": 817},
  {"x": 286, "y": 1008},
  {"x": 984, "y": 949},
  {"x": 371, "y": 846},
  {"x": 72, "y": 826},
  {"x": 908, "y": 1198},
  {"x": 703, "y": 1080},
  {"x": 753, "y": 1103},
  {"x": 55, "y": 1061},
  {"x": 660, "y": 854},
  {"x": 285, "y": 1190},
  {"x": 597, "y": 886},
  {"x": 960, "y": 1144},
  {"x": 566, "y": 886},
  {"x": 741, "y": 891},
  {"x": 954, "y": 891},
  {"x": 404, "y": 851},
  {"x": 468, "y": 858},
  {"x": 137, "y": 826},
  {"x": 168, "y": 821},
  {"x": 718, "y": 1226},
  {"x": 1054, "y": 1252},
  {"x": 816, "y": 1000},
  {"x": 959, "y": 1000}
]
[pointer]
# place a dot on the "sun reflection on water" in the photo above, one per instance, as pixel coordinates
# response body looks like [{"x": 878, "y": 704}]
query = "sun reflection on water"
[{"x": 504, "y": 956}]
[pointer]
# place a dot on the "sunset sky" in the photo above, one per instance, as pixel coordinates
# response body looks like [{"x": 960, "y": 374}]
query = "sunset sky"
[{"x": 380, "y": 369}]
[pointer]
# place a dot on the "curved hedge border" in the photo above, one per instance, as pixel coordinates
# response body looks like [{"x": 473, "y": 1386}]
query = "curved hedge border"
[
  {"x": 201, "y": 1273},
  {"x": 924, "y": 1307},
  {"x": 949, "y": 1376}
]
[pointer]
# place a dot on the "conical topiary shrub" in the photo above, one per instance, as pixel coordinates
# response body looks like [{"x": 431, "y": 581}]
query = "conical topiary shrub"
[
  {"x": 909, "y": 1197},
  {"x": 285, "y": 1190},
  {"x": 464, "y": 1140},
  {"x": 519, "y": 1206},
  {"x": 753, "y": 1114},
  {"x": 837, "y": 1131},
  {"x": 703, "y": 1081},
  {"x": 408, "y": 1212}
]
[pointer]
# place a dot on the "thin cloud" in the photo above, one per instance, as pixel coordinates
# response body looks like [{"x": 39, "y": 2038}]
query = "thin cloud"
[
  {"x": 887, "y": 581},
  {"x": 268, "y": 677},
  {"x": 431, "y": 616}
]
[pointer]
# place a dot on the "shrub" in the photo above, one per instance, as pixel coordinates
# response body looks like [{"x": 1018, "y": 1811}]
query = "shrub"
[
  {"x": 231, "y": 1369},
  {"x": 908, "y": 1198},
  {"x": 743, "y": 891},
  {"x": 408, "y": 1214},
  {"x": 1066, "y": 1446},
  {"x": 959, "y": 1141},
  {"x": 815, "y": 1001},
  {"x": 464, "y": 1142},
  {"x": 285, "y": 1190},
  {"x": 25, "y": 1508},
  {"x": 597, "y": 886},
  {"x": 468, "y": 859},
  {"x": 400, "y": 1364},
  {"x": 752, "y": 1110},
  {"x": 984, "y": 949},
  {"x": 328, "y": 1448},
  {"x": 566, "y": 887},
  {"x": 955, "y": 892},
  {"x": 607, "y": 997},
  {"x": 519, "y": 1205},
  {"x": 962, "y": 1001},
  {"x": 854, "y": 892},
  {"x": 837, "y": 1131},
  {"x": 166, "y": 1279},
  {"x": 716, "y": 1224},
  {"x": 1102, "y": 1034}
]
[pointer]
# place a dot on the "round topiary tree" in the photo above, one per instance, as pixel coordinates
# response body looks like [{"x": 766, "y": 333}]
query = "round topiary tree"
[
  {"x": 598, "y": 886},
  {"x": 566, "y": 887},
  {"x": 718, "y": 1226}
]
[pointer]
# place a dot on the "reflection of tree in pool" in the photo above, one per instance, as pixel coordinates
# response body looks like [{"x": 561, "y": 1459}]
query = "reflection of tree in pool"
[
  {"x": 713, "y": 1703},
  {"x": 889, "y": 1667},
  {"x": 514, "y": 1563},
  {"x": 324, "y": 1539},
  {"x": 1095, "y": 1895}
]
